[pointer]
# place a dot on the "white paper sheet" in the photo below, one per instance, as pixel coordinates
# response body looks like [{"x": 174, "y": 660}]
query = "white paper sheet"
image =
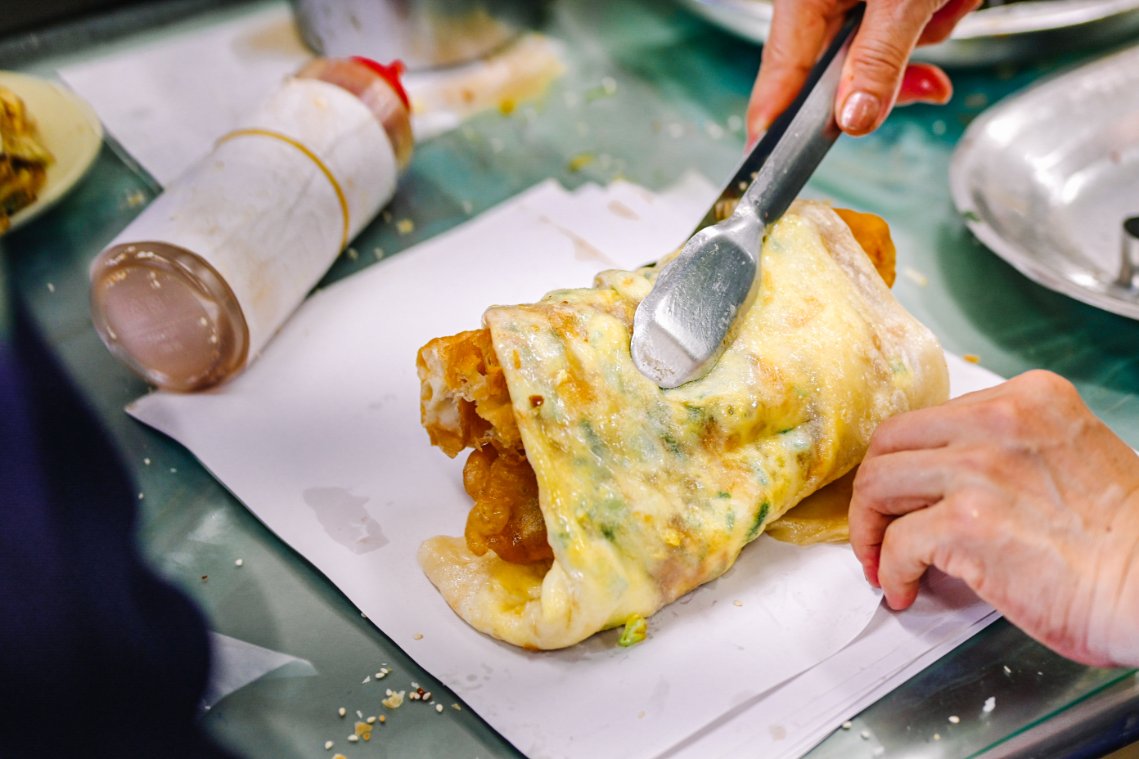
[
  {"x": 167, "y": 100},
  {"x": 320, "y": 438}
]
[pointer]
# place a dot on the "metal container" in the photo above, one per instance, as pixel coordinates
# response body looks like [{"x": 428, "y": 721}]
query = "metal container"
[
  {"x": 1048, "y": 179},
  {"x": 421, "y": 33}
]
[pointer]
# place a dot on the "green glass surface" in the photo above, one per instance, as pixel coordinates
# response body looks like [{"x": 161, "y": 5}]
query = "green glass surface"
[{"x": 681, "y": 86}]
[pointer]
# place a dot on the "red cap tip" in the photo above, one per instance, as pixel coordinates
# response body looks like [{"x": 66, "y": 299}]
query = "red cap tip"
[{"x": 390, "y": 74}]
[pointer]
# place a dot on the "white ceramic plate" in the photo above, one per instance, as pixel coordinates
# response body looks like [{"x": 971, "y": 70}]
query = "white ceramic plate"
[
  {"x": 1017, "y": 31},
  {"x": 1046, "y": 178},
  {"x": 68, "y": 128}
]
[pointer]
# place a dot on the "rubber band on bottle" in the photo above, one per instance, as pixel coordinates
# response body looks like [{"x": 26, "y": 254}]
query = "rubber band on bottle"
[{"x": 312, "y": 157}]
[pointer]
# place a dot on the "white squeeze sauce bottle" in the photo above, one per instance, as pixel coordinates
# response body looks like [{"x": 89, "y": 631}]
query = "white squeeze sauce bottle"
[{"x": 189, "y": 293}]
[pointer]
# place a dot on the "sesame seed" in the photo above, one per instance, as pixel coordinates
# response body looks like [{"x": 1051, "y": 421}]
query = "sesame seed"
[
  {"x": 865, "y": 735},
  {"x": 328, "y": 745},
  {"x": 359, "y": 714},
  {"x": 50, "y": 287},
  {"x": 954, "y": 719},
  {"x": 239, "y": 563},
  {"x": 146, "y": 461},
  {"x": 418, "y": 636},
  {"x": 342, "y": 711},
  {"x": 353, "y": 738},
  {"x": 847, "y": 725},
  {"x": 439, "y": 708},
  {"x": 1007, "y": 670},
  {"x": 371, "y": 720}
]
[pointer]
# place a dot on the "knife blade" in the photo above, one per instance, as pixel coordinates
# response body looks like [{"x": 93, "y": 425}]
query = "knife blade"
[{"x": 680, "y": 327}]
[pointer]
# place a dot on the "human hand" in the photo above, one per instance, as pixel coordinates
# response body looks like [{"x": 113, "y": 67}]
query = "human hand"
[
  {"x": 1020, "y": 491},
  {"x": 875, "y": 76}
]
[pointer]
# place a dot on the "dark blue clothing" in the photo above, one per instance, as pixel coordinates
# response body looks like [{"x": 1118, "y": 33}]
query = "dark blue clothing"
[{"x": 98, "y": 656}]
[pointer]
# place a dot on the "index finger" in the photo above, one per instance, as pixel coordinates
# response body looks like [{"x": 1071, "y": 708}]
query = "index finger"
[{"x": 799, "y": 30}]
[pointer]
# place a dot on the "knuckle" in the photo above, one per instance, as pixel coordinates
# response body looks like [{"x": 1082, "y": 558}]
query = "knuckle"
[{"x": 880, "y": 59}]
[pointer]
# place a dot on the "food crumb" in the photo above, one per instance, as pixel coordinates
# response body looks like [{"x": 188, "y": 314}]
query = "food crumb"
[
  {"x": 364, "y": 731},
  {"x": 328, "y": 745},
  {"x": 737, "y": 602},
  {"x": 937, "y": 736},
  {"x": 916, "y": 276},
  {"x": 1007, "y": 670},
  {"x": 239, "y": 563},
  {"x": 439, "y": 708},
  {"x": 865, "y": 735},
  {"x": 735, "y": 123},
  {"x": 339, "y": 756},
  {"x": 342, "y": 711},
  {"x": 847, "y": 725},
  {"x": 468, "y": 207},
  {"x": 954, "y": 719},
  {"x": 579, "y": 162},
  {"x": 50, "y": 287},
  {"x": 977, "y": 100},
  {"x": 173, "y": 470},
  {"x": 405, "y": 226},
  {"x": 378, "y": 252},
  {"x": 636, "y": 628},
  {"x": 990, "y": 704},
  {"x": 366, "y": 680},
  {"x": 135, "y": 199},
  {"x": 141, "y": 496},
  {"x": 359, "y": 714},
  {"x": 352, "y": 254},
  {"x": 418, "y": 636},
  {"x": 146, "y": 461},
  {"x": 457, "y": 707},
  {"x": 205, "y": 578},
  {"x": 972, "y": 358},
  {"x": 383, "y": 718},
  {"x": 394, "y": 700}
]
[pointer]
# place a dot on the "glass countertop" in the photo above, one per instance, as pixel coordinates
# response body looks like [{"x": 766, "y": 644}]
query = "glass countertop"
[{"x": 681, "y": 89}]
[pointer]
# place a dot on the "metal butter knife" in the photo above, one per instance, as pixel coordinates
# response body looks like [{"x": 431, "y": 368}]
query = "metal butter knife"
[{"x": 679, "y": 328}]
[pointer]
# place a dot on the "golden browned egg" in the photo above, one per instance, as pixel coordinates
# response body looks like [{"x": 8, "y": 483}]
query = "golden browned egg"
[{"x": 599, "y": 497}]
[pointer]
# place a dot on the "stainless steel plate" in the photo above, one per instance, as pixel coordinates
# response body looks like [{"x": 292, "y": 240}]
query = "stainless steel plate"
[
  {"x": 1017, "y": 31},
  {"x": 1046, "y": 177}
]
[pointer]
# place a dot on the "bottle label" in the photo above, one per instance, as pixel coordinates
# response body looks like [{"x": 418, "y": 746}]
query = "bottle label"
[{"x": 272, "y": 206}]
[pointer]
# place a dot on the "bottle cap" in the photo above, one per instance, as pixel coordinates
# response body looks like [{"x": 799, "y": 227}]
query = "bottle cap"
[
  {"x": 390, "y": 73},
  {"x": 168, "y": 315}
]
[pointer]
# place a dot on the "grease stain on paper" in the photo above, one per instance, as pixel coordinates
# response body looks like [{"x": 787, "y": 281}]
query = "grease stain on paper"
[{"x": 344, "y": 518}]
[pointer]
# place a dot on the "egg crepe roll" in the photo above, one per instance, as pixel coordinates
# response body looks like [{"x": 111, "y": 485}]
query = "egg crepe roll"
[{"x": 600, "y": 497}]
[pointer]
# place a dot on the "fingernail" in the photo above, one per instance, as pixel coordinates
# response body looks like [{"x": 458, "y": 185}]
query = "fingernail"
[{"x": 859, "y": 112}]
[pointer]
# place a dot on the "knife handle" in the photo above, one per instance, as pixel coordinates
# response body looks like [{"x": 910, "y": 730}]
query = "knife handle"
[
  {"x": 799, "y": 139},
  {"x": 825, "y": 75}
]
